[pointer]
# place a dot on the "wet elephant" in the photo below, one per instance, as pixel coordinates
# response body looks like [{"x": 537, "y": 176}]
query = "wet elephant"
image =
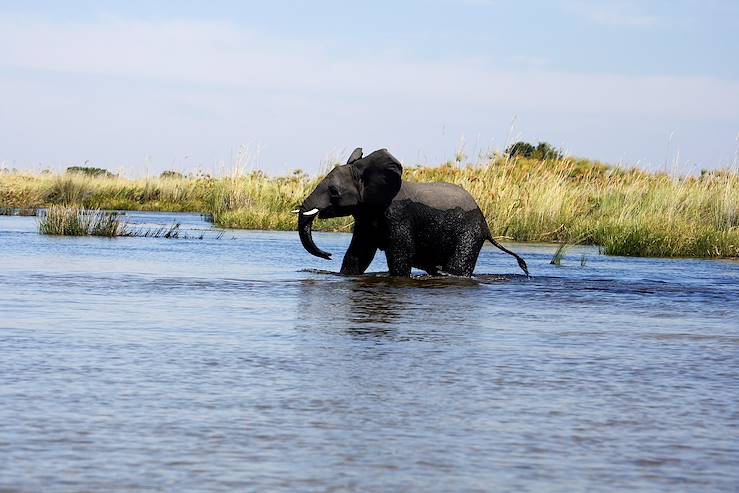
[{"x": 436, "y": 227}]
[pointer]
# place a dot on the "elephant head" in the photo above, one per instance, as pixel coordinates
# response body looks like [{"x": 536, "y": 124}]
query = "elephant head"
[{"x": 362, "y": 184}]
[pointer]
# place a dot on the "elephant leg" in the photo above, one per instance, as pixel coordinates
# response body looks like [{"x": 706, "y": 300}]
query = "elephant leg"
[
  {"x": 400, "y": 258},
  {"x": 398, "y": 262},
  {"x": 463, "y": 260},
  {"x": 400, "y": 247},
  {"x": 360, "y": 253}
]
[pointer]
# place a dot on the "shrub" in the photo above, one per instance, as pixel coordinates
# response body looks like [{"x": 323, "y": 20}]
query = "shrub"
[
  {"x": 171, "y": 174},
  {"x": 542, "y": 151},
  {"x": 90, "y": 171},
  {"x": 546, "y": 151},
  {"x": 520, "y": 149}
]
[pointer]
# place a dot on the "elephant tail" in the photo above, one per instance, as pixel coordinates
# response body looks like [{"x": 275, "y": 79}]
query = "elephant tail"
[{"x": 521, "y": 262}]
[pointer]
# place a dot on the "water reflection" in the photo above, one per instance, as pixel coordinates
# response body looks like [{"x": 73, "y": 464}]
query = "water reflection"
[
  {"x": 379, "y": 305},
  {"x": 351, "y": 305}
]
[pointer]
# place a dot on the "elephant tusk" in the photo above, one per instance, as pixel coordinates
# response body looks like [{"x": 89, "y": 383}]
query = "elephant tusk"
[
  {"x": 295, "y": 211},
  {"x": 311, "y": 212}
]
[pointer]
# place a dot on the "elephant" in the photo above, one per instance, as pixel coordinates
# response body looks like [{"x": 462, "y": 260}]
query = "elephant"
[{"x": 435, "y": 227}]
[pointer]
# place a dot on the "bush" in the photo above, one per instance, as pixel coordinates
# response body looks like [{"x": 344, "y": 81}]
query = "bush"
[
  {"x": 542, "y": 152},
  {"x": 90, "y": 171},
  {"x": 546, "y": 151},
  {"x": 520, "y": 149},
  {"x": 170, "y": 174}
]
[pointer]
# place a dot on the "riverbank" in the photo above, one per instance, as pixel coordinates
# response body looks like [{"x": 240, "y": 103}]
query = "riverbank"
[{"x": 625, "y": 212}]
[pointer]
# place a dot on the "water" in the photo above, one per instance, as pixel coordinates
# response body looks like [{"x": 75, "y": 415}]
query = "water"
[{"x": 240, "y": 364}]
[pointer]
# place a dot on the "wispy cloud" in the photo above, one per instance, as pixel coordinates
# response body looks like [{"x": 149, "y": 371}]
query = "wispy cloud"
[
  {"x": 220, "y": 55},
  {"x": 530, "y": 62},
  {"x": 206, "y": 83},
  {"x": 615, "y": 13}
]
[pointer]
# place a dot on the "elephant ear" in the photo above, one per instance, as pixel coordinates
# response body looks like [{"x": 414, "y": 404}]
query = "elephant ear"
[
  {"x": 356, "y": 155},
  {"x": 380, "y": 174}
]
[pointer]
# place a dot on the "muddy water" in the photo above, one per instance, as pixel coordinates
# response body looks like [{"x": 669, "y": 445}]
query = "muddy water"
[{"x": 243, "y": 364}]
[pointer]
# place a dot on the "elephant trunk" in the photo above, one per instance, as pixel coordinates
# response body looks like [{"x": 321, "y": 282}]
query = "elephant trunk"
[{"x": 305, "y": 223}]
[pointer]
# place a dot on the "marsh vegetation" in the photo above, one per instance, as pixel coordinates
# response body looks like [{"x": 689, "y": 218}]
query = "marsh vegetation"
[
  {"x": 624, "y": 211},
  {"x": 76, "y": 221}
]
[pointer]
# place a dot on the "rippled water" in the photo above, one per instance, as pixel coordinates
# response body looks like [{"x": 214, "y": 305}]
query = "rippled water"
[{"x": 243, "y": 364}]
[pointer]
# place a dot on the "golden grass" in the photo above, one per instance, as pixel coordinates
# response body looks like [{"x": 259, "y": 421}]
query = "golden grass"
[
  {"x": 626, "y": 212},
  {"x": 153, "y": 194}
]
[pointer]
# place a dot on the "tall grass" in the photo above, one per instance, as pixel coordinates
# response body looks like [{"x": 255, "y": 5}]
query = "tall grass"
[
  {"x": 71, "y": 221},
  {"x": 103, "y": 192},
  {"x": 75, "y": 221},
  {"x": 257, "y": 202},
  {"x": 626, "y": 212}
]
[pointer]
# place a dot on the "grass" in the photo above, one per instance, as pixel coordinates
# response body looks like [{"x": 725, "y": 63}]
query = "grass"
[
  {"x": 19, "y": 190},
  {"x": 71, "y": 221},
  {"x": 75, "y": 221},
  {"x": 625, "y": 212},
  {"x": 559, "y": 254}
]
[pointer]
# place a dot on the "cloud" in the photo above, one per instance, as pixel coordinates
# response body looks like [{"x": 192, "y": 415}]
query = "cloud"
[
  {"x": 530, "y": 61},
  {"x": 619, "y": 13},
  {"x": 162, "y": 85},
  {"x": 220, "y": 55}
]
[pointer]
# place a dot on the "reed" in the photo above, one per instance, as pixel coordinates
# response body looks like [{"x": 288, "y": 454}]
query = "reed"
[
  {"x": 75, "y": 221},
  {"x": 559, "y": 254},
  {"x": 72, "y": 221},
  {"x": 626, "y": 212}
]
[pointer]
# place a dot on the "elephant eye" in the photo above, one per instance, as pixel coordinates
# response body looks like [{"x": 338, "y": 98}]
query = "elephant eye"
[{"x": 333, "y": 192}]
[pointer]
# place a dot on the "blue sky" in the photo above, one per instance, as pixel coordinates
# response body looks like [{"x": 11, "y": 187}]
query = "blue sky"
[{"x": 146, "y": 86}]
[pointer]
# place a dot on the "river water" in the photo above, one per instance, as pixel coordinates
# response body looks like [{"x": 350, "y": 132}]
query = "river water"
[{"x": 241, "y": 363}]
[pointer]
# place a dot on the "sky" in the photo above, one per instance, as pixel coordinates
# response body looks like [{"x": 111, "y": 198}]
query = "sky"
[{"x": 143, "y": 86}]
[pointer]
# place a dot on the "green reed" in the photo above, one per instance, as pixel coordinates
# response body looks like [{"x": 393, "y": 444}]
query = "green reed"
[{"x": 73, "y": 221}]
